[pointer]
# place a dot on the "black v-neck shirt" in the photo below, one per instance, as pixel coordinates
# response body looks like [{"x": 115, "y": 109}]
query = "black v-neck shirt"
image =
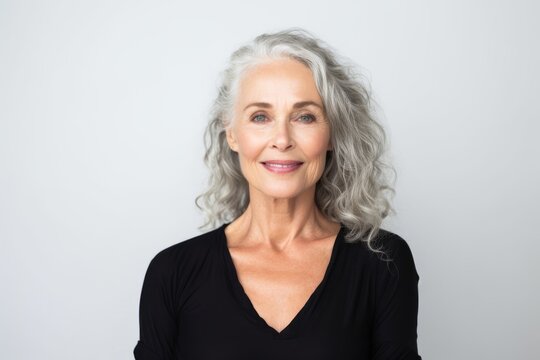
[{"x": 193, "y": 306}]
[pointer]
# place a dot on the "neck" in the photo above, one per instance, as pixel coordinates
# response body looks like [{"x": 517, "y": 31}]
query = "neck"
[{"x": 278, "y": 221}]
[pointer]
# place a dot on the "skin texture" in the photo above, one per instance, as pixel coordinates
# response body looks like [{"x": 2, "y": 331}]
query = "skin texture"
[{"x": 281, "y": 244}]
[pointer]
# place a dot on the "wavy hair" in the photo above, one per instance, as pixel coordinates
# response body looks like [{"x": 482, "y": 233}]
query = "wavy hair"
[{"x": 354, "y": 188}]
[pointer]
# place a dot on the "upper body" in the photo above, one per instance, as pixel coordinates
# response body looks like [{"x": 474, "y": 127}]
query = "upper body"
[
  {"x": 297, "y": 179},
  {"x": 193, "y": 306}
]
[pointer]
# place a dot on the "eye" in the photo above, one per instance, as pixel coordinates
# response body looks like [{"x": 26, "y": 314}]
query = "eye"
[
  {"x": 259, "y": 118},
  {"x": 306, "y": 118}
]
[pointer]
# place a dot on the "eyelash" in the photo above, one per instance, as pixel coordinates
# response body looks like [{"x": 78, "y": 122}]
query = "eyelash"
[
  {"x": 312, "y": 118},
  {"x": 255, "y": 117}
]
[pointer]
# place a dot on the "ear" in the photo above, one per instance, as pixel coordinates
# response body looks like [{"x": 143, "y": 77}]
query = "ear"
[{"x": 231, "y": 139}]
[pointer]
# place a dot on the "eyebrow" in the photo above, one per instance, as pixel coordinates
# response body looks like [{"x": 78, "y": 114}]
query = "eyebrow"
[{"x": 297, "y": 105}]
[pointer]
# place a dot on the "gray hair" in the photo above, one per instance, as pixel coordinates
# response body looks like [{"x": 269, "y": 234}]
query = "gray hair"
[{"x": 353, "y": 189}]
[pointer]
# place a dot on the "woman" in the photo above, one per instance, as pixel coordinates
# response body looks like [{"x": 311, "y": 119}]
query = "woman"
[{"x": 299, "y": 268}]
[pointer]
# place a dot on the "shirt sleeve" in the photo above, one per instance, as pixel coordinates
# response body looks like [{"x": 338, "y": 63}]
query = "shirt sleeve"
[
  {"x": 396, "y": 307},
  {"x": 157, "y": 320}
]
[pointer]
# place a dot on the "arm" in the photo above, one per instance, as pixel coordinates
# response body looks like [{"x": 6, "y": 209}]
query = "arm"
[
  {"x": 396, "y": 306},
  {"x": 157, "y": 322}
]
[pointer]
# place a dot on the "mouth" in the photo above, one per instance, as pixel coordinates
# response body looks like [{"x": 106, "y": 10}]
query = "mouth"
[{"x": 281, "y": 166}]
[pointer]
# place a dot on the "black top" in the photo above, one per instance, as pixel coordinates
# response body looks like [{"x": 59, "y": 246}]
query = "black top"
[{"x": 193, "y": 306}]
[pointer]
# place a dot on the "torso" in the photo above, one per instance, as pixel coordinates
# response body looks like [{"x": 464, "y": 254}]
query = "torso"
[
  {"x": 194, "y": 307},
  {"x": 279, "y": 283}
]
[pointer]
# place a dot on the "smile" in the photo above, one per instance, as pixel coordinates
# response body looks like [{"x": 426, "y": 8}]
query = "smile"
[{"x": 281, "y": 166}]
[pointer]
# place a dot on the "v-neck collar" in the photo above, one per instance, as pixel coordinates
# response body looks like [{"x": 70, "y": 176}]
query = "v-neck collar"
[{"x": 299, "y": 320}]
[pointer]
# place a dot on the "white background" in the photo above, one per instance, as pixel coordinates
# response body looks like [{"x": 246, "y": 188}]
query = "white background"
[{"x": 102, "y": 109}]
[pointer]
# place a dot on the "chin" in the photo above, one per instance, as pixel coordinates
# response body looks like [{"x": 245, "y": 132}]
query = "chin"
[{"x": 283, "y": 191}]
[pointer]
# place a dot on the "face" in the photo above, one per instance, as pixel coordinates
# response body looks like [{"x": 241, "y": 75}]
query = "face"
[{"x": 279, "y": 129}]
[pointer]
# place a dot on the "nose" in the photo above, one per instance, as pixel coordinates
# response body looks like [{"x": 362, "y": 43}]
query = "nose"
[{"x": 282, "y": 139}]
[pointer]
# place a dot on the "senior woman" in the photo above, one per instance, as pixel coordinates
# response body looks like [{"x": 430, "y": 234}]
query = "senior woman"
[{"x": 299, "y": 267}]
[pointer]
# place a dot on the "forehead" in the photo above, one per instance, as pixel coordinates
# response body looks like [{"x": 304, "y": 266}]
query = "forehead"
[{"x": 277, "y": 80}]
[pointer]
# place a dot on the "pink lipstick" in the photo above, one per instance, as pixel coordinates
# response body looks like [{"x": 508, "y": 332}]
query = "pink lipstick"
[{"x": 281, "y": 166}]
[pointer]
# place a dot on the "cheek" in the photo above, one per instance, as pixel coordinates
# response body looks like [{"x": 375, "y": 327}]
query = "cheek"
[
  {"x": 315, "y": 148},
  {"x": 315, "y": 144},
  {"x": 249, "y": 145}
]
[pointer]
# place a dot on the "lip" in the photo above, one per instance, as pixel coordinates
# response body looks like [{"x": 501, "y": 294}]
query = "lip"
[{"x": 281, "y": 166}]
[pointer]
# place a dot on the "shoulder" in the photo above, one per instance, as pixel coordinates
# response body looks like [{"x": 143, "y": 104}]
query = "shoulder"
[
  {"x": 394, "y": 254},
  {"x": 185, "y": 254},
  {"x": 174, "y": 271},
  {"x": 398, "y": 257},
  {"x": 391, "y": 244}
]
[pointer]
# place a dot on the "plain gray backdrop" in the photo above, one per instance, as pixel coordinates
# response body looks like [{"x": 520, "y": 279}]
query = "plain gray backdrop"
[{"x": 103, "y": 104}]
